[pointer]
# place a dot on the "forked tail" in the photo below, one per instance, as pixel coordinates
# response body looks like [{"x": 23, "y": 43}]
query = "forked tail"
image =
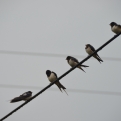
[
  {"x": 60, "y": 86},
  {"x": 81, "y": 68},
  {"x": 98, "y": 58}
]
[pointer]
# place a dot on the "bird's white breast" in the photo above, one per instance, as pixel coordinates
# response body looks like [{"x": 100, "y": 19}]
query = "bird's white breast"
[
  {"x": 72, "y": 63},
  {"x": 116, "y": 29},
  {"x": 52, "y": 77},
  {"x": 89, "y": 51}
]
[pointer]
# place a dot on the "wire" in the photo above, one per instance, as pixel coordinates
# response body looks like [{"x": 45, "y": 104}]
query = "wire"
[
  {"x": 63, "y": 75},
  {"x": 70, "y": 90},
  {"x": 50, "y": 55}
]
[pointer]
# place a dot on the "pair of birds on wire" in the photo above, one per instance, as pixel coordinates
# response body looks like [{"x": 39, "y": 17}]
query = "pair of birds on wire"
[{"x": 52, "y": 76}]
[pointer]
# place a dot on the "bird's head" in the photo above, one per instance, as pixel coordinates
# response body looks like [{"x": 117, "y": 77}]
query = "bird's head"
[
  {"x": 112, "y": 24},
  {"x": 87, "y": 45},
  {"x": 30, "y": 92},
  {"x": 68, "y": 57},
  {"x": 48, "y": 72}
]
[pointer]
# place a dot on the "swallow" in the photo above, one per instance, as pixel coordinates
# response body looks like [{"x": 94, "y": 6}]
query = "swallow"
[
  {"x": 115, "y": 27},
  {"x": 90, "y": 49},
  {"x": 25, "y": 96},
  {"x": 73, "y": 62},
  {"x": 52, "y": 76}
]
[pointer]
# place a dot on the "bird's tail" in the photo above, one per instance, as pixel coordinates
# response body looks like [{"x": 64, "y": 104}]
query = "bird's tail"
[
  {"x": 81, "y": 68},
  {"x": 84, "y": 66},
  {"x": 16, "y": 99},
  {"x": 98, "y": 58},
  {"x": 60, "y": 86}
]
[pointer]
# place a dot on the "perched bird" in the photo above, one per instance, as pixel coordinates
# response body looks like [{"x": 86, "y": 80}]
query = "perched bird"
[
  {"x": 90, "y": 49},
  {"x": 115, "y": 27},
  {"x": 25, "y": 96},
  {"x": 73, "y": 62},
  {"x": 52, "y": 76}
]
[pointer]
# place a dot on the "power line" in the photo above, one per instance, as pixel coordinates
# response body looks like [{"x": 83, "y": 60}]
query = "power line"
[
  {"x": 50, "y": 55},
  {"x": 69, "y": 90},
  {"x": 63, "y": 75}
]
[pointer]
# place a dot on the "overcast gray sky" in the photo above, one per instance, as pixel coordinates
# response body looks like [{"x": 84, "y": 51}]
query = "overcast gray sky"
[{"x": 63, "y": 28}]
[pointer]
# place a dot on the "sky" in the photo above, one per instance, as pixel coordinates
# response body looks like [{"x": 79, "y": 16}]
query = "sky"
[{"x": 38, "y": 35}]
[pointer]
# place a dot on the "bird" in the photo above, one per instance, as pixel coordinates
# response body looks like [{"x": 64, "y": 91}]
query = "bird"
[
  {"x": 52, "y": 76},
  {"x": 25, "y": 96},
  {"x": 73, "y": 62},
  {"x": 115, "y": 27},
  {"x": 90, "y": 49}
]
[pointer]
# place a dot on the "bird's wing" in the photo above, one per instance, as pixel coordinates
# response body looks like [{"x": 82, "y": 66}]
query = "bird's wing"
[
  {"x": 74, "y": 59},
  {"x": 92, "y": 48},
  {"x": 119, "y": 26},
  {"x": 25, "y": 95},
  {"x": 55, "y": 74}
]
